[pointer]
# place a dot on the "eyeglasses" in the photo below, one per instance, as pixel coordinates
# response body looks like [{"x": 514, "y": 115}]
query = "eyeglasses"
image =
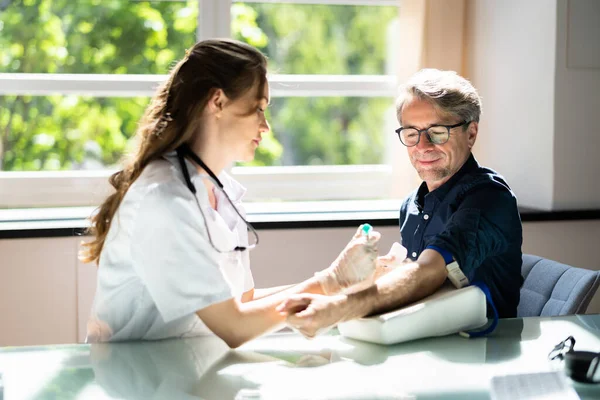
[
  {"x": 581, "y": 366},
  {"x": 436, "y": 134},
  {"x": 564, "y": 347}
]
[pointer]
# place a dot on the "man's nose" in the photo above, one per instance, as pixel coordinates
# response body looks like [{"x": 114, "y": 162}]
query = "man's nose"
[{"x": 424, "y": 143}]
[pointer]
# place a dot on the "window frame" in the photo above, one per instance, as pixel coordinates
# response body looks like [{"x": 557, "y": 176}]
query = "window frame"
[{"x": 85, "y": 188}]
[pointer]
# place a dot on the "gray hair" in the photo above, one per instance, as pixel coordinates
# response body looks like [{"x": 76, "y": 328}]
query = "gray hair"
[{"x": 449, "y": 93}]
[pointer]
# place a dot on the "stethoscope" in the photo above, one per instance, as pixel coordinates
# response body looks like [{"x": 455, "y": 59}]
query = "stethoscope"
[{"x": 184, "y": 151}]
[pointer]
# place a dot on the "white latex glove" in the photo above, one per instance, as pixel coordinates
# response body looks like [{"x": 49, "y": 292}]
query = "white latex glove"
[{"x": 356, "y": 263}]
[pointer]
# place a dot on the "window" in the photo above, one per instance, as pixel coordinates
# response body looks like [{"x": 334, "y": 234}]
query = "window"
[
  {"x": 95, "y": 37},
  {"x": 73, "y": 89},
  {"x": 57, "y": 132},
  {"x": 316, "y": 38}
]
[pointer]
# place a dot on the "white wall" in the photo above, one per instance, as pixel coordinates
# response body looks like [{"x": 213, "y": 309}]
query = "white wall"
[
  {"x": 510, "y": 59},
  {"x": 46, "y": 294},
  {"x": 577, "y": 106},
  {"x": 536, "y": 64}
]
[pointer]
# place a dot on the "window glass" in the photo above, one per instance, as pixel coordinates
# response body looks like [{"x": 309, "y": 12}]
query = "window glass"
[
  {"x": 317, "y": 39},
  {"x": 75, "y": 132},
  {"x": 325, "y": 131},
  {"x": 94, "y": 36},
  {"x": 66, "y": 132}
]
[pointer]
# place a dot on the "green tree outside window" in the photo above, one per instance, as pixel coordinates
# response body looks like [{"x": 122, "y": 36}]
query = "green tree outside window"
[{"x": 66, "y": 132}]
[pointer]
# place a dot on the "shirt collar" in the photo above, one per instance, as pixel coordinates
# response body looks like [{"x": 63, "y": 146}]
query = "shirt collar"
[
  {"x": 233, "y": 188},
  {"x": 470, "y": 165}
]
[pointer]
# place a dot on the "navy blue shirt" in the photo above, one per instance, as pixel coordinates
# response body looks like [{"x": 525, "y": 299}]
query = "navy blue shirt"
[{"x": 474, "y": 217}]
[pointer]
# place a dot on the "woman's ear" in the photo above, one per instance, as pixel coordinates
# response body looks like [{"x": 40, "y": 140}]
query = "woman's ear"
[{"x": 216, "y": 102}]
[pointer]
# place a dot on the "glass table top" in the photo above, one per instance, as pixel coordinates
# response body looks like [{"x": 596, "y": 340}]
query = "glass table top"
[{"x": 287, "y": 366}]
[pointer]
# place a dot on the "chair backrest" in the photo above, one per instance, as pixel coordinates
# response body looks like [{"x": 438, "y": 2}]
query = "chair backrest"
[{"x": 551, "y": 288}]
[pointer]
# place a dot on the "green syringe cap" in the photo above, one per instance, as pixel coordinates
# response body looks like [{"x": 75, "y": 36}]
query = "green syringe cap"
[{"x": 367, "y": 228}]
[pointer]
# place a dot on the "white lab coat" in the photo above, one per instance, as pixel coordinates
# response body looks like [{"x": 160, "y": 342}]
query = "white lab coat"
[{"x": 157, "y": 267}]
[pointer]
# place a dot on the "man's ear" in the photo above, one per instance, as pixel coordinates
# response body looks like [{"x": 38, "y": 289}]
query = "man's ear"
[
  {"x": 216, "y": 102},
  {"x": 472, "y": 131}
]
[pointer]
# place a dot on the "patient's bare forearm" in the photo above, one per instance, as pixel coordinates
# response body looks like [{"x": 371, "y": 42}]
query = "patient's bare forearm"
[{"x": 400, "y": 286}]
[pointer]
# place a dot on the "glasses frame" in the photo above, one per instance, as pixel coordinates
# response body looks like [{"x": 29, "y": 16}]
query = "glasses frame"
[
  {"x": 564, "y": 347},
  {"x": 420, "y": 131},
  {"x": 581, "y": 366}
]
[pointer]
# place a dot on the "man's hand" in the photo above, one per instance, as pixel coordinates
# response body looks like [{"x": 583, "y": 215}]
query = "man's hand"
[
  {"x": 396, "y": 257},
  {"x": 355, "y": 264},
  {"x": 313, "y": 314}
]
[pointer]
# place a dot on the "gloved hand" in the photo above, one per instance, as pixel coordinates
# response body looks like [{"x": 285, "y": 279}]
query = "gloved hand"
[{"x": 356, "y": 263}]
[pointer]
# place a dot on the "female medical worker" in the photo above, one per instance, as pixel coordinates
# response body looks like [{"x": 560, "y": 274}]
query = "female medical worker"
[{"x": 171, "y": 242}]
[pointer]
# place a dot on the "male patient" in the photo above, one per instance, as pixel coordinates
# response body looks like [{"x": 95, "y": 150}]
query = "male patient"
[{"x": 461, "y": 212}]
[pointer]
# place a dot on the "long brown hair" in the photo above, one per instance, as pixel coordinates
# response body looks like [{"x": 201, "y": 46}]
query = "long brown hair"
[{"x": 170, "y": 119}]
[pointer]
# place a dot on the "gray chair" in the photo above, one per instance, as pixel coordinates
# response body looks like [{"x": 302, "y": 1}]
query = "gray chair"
[{"x": 551, "y": 288}]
